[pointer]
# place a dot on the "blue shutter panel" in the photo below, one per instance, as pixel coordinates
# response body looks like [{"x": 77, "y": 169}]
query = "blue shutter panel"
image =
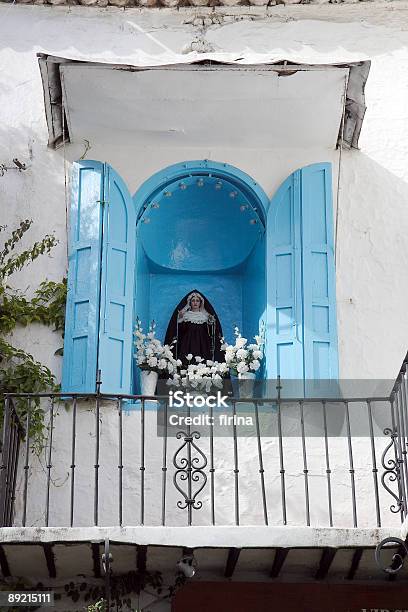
[
  {"x": 320, "y": 324},
  {"x": 82, "y": 312},
  {"x": 284, "y": 352},
  {"x": 118, "y": 271}
]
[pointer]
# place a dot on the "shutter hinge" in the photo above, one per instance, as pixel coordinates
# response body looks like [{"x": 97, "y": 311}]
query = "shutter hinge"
[{"x": 103, "y": 202}]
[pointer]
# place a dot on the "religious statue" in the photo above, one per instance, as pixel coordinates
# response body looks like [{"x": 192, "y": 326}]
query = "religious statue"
[{"x": 195, "y": 329}]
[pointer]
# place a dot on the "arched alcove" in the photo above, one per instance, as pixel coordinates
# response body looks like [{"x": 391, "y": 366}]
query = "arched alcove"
[{"x": 201, "y": 225}]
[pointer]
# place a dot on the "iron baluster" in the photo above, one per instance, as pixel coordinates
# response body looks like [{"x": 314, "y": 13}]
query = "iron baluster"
[
  {"x": 260, "y": 460},
  {"x": 236, "y": 468},
  {"x": 351, "y": 464},
  {"x": 328, "y": 470},
  {"x": 281, "y": 461},
  {"x": 73, "y": 449},
  {"x": 305, "y": 469},
  {"x": 120, "y": 464},
  {"x": 26, "y": 462},
  {"x": 49, "y": 464},
  {"x": 97, "y": 442},
  {"x": 142, "y": 461},
  {"x": 212, "y": 469},
  {"x": 374, "y": 464},
  {"x": 164, "y": 466}
]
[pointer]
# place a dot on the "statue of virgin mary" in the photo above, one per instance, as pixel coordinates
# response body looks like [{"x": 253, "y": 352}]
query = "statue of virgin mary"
[{"x": 195, "y": 329}]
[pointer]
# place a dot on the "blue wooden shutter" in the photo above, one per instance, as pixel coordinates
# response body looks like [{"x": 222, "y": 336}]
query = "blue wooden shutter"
[
  {"x": 118, "y": 272},
  {"x": 284, "y": 352},
  {"x": 82, "y": 311},
  {"x": 319, "y": 289}
]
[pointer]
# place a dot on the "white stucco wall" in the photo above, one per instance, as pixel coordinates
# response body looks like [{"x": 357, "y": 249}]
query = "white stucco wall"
[{"x": 372, "y": 257}]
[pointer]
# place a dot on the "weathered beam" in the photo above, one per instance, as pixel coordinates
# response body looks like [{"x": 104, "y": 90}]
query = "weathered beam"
[
  {"x": 4, "y": 566},
  {"x": 233, "y": 555},
  {"x": 96, "y": 558},
  {"x": 141, "y": 558},
  {"x": 355, "y": 562},
  {"x": 279, "y": 560},
  {"x": 50, "y": 560},
  {"x": 326, "y": 560}
]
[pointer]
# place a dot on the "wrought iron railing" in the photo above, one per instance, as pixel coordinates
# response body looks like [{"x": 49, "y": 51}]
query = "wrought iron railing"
[{"x": 118, "y": 460}]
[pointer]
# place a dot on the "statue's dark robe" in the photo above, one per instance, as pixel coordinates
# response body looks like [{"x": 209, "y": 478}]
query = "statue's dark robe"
[{"x": 198, "y": 339}]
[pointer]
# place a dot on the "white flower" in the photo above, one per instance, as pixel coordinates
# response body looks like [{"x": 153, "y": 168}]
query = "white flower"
[
  {"x": 242, "y": 367},
  {"x": 257, "y": 354},
  {"x": 209, "y": 362},
  {"x": 152, "y": 361},
  {"x": 198, "y": 359},
  {"x": 242, "y": 354},
  {"x": 223, "y": 368},
  {"x": 254, "y": 365},
  {"x": 162, "y": 364},
  {"x": 240, "y": 342},
  {"x": 189, "y": 357}
]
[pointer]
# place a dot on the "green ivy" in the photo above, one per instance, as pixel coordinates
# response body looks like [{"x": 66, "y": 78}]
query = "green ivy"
[{"x": 19, "y": 371}]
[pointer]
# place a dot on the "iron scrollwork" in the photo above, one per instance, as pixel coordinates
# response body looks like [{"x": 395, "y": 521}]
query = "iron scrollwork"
[
  {"x": 189, "y": 470},
  {"x": 391, "y": 470},
  {"x": 398, "y": 558}
]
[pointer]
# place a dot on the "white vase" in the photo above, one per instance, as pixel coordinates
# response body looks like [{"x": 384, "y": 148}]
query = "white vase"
[
  {"x": 148, "y": 382},
  {"x": 246, "y": 375},
  {"x": 246, "y": 384}
]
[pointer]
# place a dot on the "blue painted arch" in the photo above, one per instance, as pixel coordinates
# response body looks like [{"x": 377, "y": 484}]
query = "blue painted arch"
[{"x": 243, "y": 181}]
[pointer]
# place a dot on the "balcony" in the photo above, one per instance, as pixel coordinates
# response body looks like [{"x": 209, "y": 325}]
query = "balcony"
[{"x": 317, "y": 473}]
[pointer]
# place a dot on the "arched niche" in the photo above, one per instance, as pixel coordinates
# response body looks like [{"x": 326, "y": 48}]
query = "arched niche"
[{"x": 201, "y": 225}]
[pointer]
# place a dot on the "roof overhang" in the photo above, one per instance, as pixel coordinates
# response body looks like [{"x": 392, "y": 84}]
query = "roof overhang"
[{"x": 204, "y": 104}]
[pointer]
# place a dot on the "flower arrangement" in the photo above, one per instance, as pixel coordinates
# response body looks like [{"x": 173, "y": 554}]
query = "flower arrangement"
[
  {"x": 242, "y": 358},
  {"x": 151, "y": 354},
  {"x": 200, "y": 374}
]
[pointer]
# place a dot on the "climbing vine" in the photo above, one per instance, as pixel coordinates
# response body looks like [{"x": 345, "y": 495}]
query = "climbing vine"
[{"x": 19, "y": 371}]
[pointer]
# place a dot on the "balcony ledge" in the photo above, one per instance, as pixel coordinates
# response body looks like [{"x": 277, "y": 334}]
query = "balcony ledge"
[{"x": 205, "y": 536}]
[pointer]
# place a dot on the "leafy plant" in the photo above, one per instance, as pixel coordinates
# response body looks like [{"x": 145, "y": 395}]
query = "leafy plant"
[
  {"x": 19, "y": 371},
  {"x": 122, "y": 587}
]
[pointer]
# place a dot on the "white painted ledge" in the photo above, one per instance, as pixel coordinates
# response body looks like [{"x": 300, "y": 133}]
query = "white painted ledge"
[{"x": 204, "y": 537}]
